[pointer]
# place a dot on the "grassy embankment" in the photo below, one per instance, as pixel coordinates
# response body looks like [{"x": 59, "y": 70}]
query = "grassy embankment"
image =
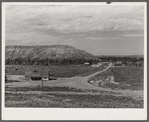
[{"x": 132, "y": 76}]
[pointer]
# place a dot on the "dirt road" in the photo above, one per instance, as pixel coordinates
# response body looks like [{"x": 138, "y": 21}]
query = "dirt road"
[{"x": 77, "y": 82}]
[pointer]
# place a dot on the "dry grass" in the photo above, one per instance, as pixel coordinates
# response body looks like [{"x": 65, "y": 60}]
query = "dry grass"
[
  {"x": 71, "y": 101},
  {"x": 45, "y": 88},
  {"x": 132, "y": 76}
]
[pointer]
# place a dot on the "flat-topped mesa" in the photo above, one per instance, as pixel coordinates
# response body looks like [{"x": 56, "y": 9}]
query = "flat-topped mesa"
[{"x": 43, "y": 52}]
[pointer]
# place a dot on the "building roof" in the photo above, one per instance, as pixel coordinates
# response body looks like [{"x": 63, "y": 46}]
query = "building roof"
[{"x": 31, "y": 73}]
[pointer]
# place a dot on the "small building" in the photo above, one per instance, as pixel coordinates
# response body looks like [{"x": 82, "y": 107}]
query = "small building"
[
  {"x": 86, "y": 63},
  {"x": 45, "y": 79},
  {"x": 36, "y": 75}
]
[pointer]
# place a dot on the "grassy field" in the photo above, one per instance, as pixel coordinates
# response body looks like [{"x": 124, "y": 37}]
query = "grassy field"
[
  {"x": 46, "y": 89},
  {"x": 124, "y": 75},
  {"x": 66, "y": 100},
  {"x": 56, "y": 71}
]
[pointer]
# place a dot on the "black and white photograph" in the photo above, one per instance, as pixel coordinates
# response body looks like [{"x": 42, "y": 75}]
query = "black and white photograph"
[{"x": 74, "y": 61}]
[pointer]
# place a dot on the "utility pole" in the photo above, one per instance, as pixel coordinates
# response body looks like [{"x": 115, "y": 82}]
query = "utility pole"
[
  {"x": 42, "y": 76},
  {"x": 42, "y": 83},
  {"x": 42, "y": 72}
]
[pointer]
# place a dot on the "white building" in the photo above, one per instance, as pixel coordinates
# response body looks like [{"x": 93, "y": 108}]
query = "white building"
[{"x": 86, "y": 63}]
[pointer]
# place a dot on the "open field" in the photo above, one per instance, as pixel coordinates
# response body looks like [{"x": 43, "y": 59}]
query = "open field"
[
  {"x": 67, "y": 98},
  {"x": 55, "y": 70},
  {"x": 132, "y": 76},
  {"x": 76, "y": 92}
]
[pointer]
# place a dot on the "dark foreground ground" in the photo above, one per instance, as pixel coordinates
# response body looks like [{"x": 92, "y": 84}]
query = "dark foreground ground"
[{"x": 67, "y": 98}]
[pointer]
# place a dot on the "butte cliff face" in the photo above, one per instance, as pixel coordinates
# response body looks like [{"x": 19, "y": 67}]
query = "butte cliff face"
[{"x": 43, "y": 52}]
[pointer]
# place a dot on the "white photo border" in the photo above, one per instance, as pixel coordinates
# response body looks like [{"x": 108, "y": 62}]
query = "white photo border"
[{"x": 73, "y": 113}]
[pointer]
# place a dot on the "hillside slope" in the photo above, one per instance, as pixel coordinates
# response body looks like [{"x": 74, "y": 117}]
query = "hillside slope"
[{"x": 42, "y": 52}]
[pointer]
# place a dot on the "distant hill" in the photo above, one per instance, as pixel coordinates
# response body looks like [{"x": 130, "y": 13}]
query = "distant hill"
[{"x": 51, "y": 52}]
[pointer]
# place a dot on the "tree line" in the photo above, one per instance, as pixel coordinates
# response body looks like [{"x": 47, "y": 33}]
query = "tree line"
[
  {"x": 122, "y": 59},
  {"x": 64, "y": 61},
  {"x": 37, "y": 61}
]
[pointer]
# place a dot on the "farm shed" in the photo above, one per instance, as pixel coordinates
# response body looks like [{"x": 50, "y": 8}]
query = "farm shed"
[{"x": 36, "y": 75}]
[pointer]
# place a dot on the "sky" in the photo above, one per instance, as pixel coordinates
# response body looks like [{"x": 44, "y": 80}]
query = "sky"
[{"x": 97, "y": 29}]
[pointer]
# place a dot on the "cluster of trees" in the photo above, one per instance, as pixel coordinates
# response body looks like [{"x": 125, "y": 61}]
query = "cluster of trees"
[
  {"x": 22, "y": 61},
  {"x": 122, "y": 59}
]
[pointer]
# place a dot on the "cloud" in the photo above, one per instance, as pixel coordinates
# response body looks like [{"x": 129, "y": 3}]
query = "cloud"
[
  {"x": 133, "y": 35},
  {"x": 94, "y": 38},
  {"x": 30, "y": 38},
  {"x": 92, "y": 28},
  {"x": 73, "y": 18},
  {"x": 69, "y": 42}
]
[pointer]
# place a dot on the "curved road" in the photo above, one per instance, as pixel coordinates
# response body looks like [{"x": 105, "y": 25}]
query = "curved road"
[{"x": 79, "y": 83}]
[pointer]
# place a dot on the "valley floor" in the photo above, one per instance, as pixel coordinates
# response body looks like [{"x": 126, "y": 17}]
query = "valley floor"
[{"x": 70, "y": 92}]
